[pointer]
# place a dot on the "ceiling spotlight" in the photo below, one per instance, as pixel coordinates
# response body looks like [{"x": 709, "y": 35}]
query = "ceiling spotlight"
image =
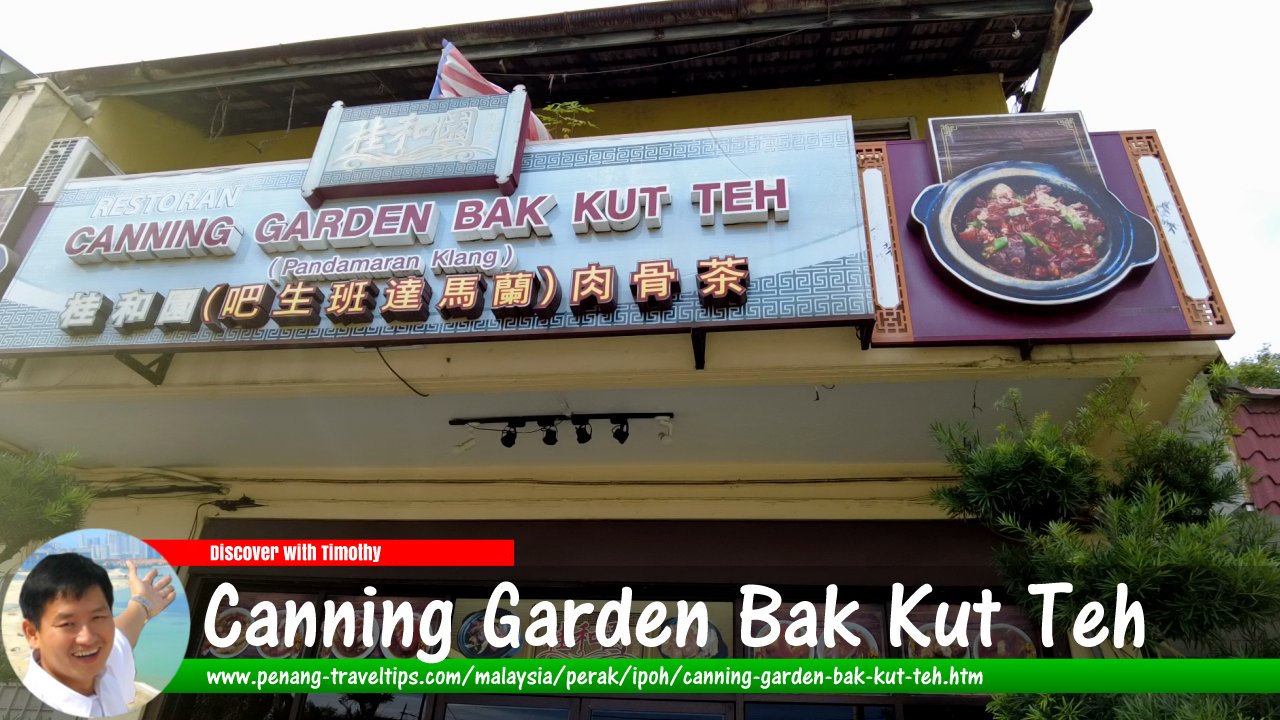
[
  {"x": 508, "y": 438},
  {"x": 668, "y": 429},
  {"x": 1017, "y": 32},
  {"x": 583, "y": 429},
  {"x": 621, "y": 431},
  {"x": 549, "y": 434}
]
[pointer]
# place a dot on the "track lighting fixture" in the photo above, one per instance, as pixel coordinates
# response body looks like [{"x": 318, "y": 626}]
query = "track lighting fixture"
[
  {"x": 510, "y": 426},
  {"x": 621, "y": 431},
  {"x": 508, "y": 438}
]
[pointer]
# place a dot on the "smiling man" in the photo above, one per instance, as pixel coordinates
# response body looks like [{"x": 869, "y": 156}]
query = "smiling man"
[{"x": 81, "y": 656}]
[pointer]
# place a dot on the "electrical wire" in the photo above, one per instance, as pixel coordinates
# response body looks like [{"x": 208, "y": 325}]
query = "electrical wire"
[
  {"x": 398, "y": 377},
  {"x": 564, "y": 76},
  {"x": 135, "y": 473},
  {"x": 196, "y": 519},
  {"x": 218, "y": 122},
  {"x": 139, "y": 482}
]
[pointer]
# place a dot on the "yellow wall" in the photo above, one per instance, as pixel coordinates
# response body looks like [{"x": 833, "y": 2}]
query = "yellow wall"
[
  {"x": 142, "y": 140},
  {"x": 918, "y": 99}
]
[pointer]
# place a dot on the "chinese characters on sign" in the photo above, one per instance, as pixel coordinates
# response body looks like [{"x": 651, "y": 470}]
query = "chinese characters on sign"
[
  {"x": 419, "y": 146},
  {"x": 411, "y": 138},
  {"x": 655, "y": 285}
]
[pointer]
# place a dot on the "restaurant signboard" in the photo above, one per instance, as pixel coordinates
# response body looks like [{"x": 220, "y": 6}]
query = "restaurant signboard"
[{"x": 739, "y": 227}]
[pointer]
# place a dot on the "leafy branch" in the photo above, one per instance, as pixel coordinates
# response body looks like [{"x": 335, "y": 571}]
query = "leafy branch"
[
  {"x": 564, "y": 119},
  {"x": 1151, "y": 518}
]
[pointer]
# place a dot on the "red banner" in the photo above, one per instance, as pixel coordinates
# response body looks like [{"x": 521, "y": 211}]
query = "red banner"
[{"x": 350, "y": 553}]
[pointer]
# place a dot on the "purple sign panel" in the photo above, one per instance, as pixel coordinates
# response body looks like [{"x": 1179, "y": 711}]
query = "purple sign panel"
[{"x": 946, "y": 308}]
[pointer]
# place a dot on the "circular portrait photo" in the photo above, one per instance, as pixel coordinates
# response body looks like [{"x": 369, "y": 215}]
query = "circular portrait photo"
[{"x": 95, "y": 623}]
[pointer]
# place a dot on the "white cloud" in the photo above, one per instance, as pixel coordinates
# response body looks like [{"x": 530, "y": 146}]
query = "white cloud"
[{"x": 1197, "y": 76}]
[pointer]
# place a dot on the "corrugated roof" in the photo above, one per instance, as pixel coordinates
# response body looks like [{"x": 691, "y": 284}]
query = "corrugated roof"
[
  {"x": 685, "y": 47},
  {"x": 1258, "y": 446}
]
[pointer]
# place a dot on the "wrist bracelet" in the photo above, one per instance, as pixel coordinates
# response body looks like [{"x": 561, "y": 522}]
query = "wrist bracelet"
[{"x": 146, "y": 604}]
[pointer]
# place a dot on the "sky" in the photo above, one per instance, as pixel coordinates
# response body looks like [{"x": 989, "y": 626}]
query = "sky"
[{"x": 1198, "y": 74}]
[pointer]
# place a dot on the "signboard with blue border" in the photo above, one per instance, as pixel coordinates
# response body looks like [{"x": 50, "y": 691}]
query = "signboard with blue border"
[{"x": 722, "y": 228}]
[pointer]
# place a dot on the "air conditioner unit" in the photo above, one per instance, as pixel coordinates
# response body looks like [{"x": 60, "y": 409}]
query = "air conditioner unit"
[{"x": 65, "y": 160}]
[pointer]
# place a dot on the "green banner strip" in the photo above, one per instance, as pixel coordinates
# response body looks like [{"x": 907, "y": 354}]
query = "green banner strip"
[{"x": 828, "y": 677}]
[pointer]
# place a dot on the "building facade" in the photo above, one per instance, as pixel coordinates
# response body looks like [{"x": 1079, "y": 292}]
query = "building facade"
[{"x": 776, "y": 435}]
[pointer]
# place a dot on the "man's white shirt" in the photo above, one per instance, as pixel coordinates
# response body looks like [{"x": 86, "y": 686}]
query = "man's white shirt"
[{"x": 113, "y": 687}]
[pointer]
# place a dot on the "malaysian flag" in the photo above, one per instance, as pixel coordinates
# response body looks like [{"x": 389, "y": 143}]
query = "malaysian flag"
[{"x": 455, "y": 77}]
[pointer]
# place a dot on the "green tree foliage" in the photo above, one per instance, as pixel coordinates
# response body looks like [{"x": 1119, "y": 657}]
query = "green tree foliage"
[
  {"x": 1053, "y": 707},
  {"x": 1259, "y": 370},
  {"x": 1136, "y": 707},
  {"x": 1024, "y": 479},
  {"x": 1208, "y": 582},
  {"x": 40, "y": 498},
  {"x": 564, "y": 119},
  {"x": 1198, "y": 707},
  {"x": 1198, "y": 583},
  {"x": 1034, "y": 473}
]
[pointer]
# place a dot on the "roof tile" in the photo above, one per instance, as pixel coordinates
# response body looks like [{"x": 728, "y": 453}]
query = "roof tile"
[{"x": 1258, "y": 446}]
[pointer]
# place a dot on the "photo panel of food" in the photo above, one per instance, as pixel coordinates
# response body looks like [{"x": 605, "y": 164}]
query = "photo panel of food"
[
  {"x": 925, "y": 619},
  {"x": 468, "y": 630},
  {"x": 405, "y": 641},
  {"x": 719, "y": 642},
  {"x": 1059, "y": 139},
  {"x": 242, "y": 612},
  {"x": 402, "y": 645},
  {"x": 866, "y": 624},
  {"x": 1023, "y": 214},
  {"x": 357, "y": 648}
]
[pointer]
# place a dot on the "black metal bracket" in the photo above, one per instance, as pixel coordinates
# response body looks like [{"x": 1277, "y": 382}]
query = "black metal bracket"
[
  {"x": 12, "y": 367},
  {"x": 1024, "y": 349},
  {"x": 153, "y": 372},
  {"x": 575, "y": 418},
  {"x": 699, "y": 338},
  {"x": 865, "y": 331}
]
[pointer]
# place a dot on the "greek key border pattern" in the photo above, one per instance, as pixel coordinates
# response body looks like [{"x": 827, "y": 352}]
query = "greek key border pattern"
[
  {"x": 423, "y": 107},
  {"x": 394, "y": 173},
  {"x": 833, "y": 289},
  {"x": 674, "y": 150}
]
